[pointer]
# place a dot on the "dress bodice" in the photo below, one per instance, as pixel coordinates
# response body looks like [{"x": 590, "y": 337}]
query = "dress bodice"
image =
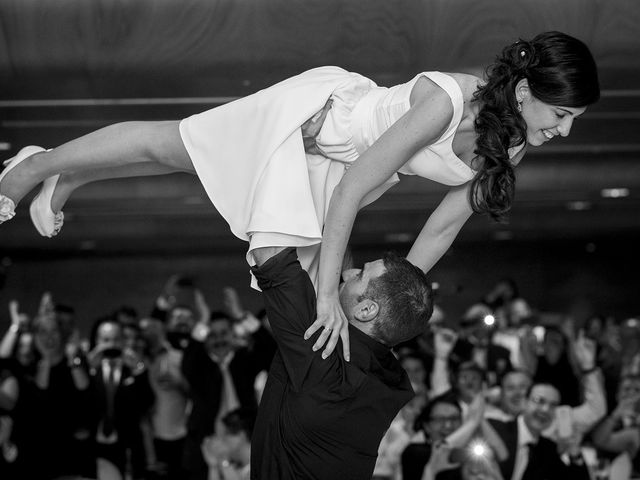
[{"x": 381, "y": 107}]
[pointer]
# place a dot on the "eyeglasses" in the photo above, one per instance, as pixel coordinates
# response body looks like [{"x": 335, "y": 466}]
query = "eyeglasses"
[
  {"x": 444, "y": 420},
  {"x": 543, "y": 402},
  {"x": 46, "y": 332}
]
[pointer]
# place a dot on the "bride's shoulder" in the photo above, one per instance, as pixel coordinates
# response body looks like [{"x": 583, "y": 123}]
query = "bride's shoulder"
[{"x": 468, "y": 83}]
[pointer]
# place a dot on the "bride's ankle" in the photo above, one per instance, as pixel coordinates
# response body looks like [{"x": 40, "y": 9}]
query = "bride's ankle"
[{"x": 64, "y": 187}]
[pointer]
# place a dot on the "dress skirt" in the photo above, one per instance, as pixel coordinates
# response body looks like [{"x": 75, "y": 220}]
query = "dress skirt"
[{"x": 249, "y": 156}]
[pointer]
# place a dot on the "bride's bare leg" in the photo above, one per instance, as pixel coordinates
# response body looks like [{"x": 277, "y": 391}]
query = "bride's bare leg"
[
  {"x": 119, "y": 145},
  {"x": 69, "y": 182}
]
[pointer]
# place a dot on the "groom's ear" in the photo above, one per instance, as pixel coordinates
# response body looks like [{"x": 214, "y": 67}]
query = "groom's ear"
[{"x": 366, "y": 310}]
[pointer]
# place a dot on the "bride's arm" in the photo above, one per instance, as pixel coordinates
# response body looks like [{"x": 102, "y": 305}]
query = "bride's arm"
[
  {"x": 444, "y": 224},
  {"x": 441, "y": 228}
]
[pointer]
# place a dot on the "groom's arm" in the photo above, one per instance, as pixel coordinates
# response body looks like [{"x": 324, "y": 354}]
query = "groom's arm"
[{"x": 290, "y": 301}]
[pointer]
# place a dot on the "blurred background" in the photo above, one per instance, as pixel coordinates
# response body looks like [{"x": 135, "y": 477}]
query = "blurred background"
[{"x": 70, "y": 67}]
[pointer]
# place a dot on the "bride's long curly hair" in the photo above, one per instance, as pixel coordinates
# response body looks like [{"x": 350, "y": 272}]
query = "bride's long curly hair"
[{"x": 560, "y": 71}]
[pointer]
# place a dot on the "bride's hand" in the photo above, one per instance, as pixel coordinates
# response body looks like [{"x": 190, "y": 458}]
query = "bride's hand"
[
  {"x": 311, "y": 128},
  {"x": 334, "y": 325}
]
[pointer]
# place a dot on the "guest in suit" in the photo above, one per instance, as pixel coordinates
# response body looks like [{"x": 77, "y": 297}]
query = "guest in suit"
[
  {"x": 476, "y": 344},
  {"x": 516, "y": 384},
  {"x": 221, "y": 378},
  {"x": 530, "y": 455},
  {"x": 513, "y": 396},
  {"x": 122, "y": 397}
]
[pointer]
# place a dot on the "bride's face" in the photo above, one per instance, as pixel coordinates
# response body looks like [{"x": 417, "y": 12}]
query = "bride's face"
[{"x": 545, "y": 122}]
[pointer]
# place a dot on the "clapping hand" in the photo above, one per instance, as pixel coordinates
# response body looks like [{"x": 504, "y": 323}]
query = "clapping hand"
[
  {"x": 214, "y": 450},
  {"x": 334, "y": 325},
  {"x": 232, "y": 303},
  {"x": 72, "y": 349},
  {"x": 626, "y": 407},
  {"x": 443, "y": 342},
  {"x": 132, "y": 360},
  {"x": 202, "y": 307},
  {"x": 440, "y": 459},
  {"x": 46, "y": 304},
  {"x": 477, "y": 406}
]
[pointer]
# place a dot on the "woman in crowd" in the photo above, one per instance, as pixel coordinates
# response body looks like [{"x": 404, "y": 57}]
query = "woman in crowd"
[
  {"x": 52, "y": 420},
  {"x": 553, "y": 365},
  {"x": 441, "y": 422},
  {"x": 455, "y": 129},
  {"x": 619, "y": 433}
]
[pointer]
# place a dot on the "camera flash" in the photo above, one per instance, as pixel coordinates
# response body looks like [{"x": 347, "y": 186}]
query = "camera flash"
[
  {"x": 489, "y": 320},
  {"x": 478, "y": 450}
]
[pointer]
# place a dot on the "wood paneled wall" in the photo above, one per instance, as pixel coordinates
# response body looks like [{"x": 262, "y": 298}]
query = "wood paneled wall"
[{"x": 202, "y": 47}]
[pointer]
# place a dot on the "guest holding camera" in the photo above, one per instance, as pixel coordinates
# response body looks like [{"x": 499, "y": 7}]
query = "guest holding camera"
[{"x": 122, "y": 397}]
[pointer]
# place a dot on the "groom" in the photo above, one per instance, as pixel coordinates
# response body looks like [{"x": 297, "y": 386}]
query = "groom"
[{"x": 324, "y": 419}]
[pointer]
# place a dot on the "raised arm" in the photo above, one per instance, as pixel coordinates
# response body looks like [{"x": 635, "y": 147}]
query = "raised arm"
[
  {"x": 19, "y": 322},
  {"x": 594, "y": 407},
  {"x": 441, "y": 228},
  {"x": 444, "y": 340},
  {"x": 425, "y": 121}
]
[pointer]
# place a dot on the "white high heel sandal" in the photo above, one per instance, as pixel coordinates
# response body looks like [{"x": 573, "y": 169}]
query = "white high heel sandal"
[
  {"x": 8, "y": 206},
  {"x": 47, "y": 222}
]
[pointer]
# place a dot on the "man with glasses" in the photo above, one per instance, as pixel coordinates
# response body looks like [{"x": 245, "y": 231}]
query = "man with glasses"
[{"x": 530, "y": 455}]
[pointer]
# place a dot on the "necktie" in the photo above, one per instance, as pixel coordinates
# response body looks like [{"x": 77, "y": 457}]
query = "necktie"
[
  {"x": 522, "y": 460},
  {"x": 108, "y": 423},
  {"x": 228, "y": 398}
]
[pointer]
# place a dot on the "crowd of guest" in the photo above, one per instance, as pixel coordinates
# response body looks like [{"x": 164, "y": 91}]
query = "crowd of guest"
[
  {"x": 508, "y": 393},
  {"x": 170, "y": 395},
  {"x": 502, "y": 393}
]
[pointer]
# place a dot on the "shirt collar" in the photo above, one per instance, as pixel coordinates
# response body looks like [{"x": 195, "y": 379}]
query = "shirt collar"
[
  {"x": 223, "y": 361},
  {"x": 378, "y": 359},
  {"x": 379, "y": 349},
  {"x": 525, "y": 437}
]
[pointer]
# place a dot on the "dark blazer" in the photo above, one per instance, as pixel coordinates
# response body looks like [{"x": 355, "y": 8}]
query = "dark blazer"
[
  {"x": 544, "y": 461},
  {"x": 205, "y": 380},
  {"x": 134, "y": 397}
]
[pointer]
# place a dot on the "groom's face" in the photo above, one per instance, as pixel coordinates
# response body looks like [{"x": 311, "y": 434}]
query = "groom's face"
[{"x": 355, "y": 283}]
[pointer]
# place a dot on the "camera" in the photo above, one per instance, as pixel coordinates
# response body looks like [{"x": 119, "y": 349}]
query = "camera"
[{"x": 112, "y": 352}]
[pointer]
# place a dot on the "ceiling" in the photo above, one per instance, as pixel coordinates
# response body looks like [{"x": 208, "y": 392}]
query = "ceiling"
[{"x": 69, "y": 67}]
